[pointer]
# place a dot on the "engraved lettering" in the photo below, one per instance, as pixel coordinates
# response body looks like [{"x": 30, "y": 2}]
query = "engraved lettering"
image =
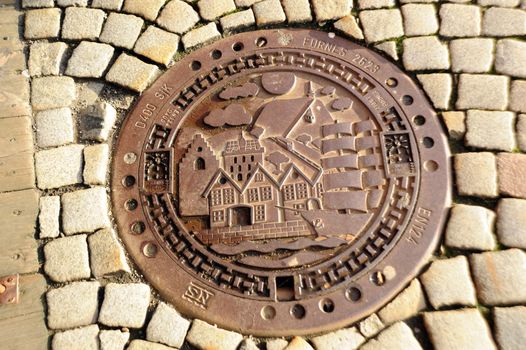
[
  {"x": 164, "y": 92},
  {"x": 197, "y": 295},
  {"x": 419, "y": 225},
  {"x": 325, "y": 46}
]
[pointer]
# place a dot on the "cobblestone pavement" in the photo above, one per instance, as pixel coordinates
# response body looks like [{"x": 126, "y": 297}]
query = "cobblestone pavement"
[{"x": 78, "y": 67}]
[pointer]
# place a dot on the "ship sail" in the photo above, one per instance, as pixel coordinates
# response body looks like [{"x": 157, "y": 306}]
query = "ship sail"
[
  {"x": 345, "y": 161},
  {"x": 356, "y": 200},
  {"x": 342, "y": 180},
  {"x": 335, "y": 129},
  {"x": 344, "y": 143}
]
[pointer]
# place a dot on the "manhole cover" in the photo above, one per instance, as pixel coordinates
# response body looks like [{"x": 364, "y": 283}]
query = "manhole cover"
[{"x": 281, "y": 182}]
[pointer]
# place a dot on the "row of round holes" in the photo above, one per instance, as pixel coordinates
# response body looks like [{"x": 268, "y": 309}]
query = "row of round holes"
[
  {"x": 217, "y": 54},
  {"x": 419, "y": 120}
]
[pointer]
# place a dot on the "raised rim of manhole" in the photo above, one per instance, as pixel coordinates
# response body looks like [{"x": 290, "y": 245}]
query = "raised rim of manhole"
[{"x": 281, "y": 182}]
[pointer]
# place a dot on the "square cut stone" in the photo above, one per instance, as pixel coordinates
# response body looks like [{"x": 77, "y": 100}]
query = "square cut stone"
[
  {"x": 510, "y": 168},
  {"x": 297, "y": 11},
  {"x": 374, "y": 4},
  {"x": 82, "y": 23},
  {"x": 113, "y": 5},
  {"x": 476, "y": 174},
  {"x": 65, "y": 3},
  {"x": 96, "y": 160},
  {"x": 268, "y": 12},
  {"x": 37, "y": 3},
  {"x": 511, "y": 55},
  {"x": 59, "y": 167},
  {"x": 238, "y": 20},
  {"x": 167, "y": 326},
  {"x": 158, "y": 45},
  {"x": 106, "y": 254},
  {"x": 389, "y": 47},
  {"x": 334, "y": 9},
  {"x": 178, "y": 17},
  {"x": 478, "y": 91},
  {"x": 204, "y": 336},
  {"x": 458, "y": 329},
  {"x": 500, "y": 277},
  {"x": 85, "y": 210},
  {"x": 371, "y": 326},
  {"x": 67, "y": 259},
  {"x": 470, "y": 227},
  {"x": 458, "y": 20},
  {"x": 510, "y": 323},
  {"x": 276, "y": 344},
  {"x": 438, "y": 87},
  {"x": 54, "y": 127},
  {"x": 48, "y": 217},
  {"x": 405, "y": 305},
  {"x": 511, "y": 222},
  {"x": 147, "y": 9},
  {"x": 74, "y": 305},
  {"x": 425, "y": 53},
  {"x": 349, "y": 26},
  {"x": 210, "y": 10},
  {"x": 379, "y": 25},
  {"x": 132, "y": 73},
  {"x": 500, "y": 3},
  {"x": 504, "y": 22},
  {"x": 52, "y": 92},
  {"x": 138, "y": 344},
  {"x": 125, "y": 305},
  {"x": 46, "y": 58},
  {"x": 448, "y": 282},
  {"x": 89, "y": 60},
  {"x": 521, "y": 132},
  {"x": 455, "y": 123},
  {"x": 420, "y": 19},
  {"x": 42, "y": 23},
  {"x": 346, "y": 338},
  {"x": 474, "y": 55},
  {"x": 201, "y": 36},
  {"x": 113, "y": 340},
  {"x": 121, "y": 30},
  {"x": 397, "y": 337},
  {"x": 86, "y": 338},
  {"x": 96, "y": 121},
  {"x": 245, "y": 3},
  {"x": 517, "y": 96},
  {"x": 491, "y": 130}
]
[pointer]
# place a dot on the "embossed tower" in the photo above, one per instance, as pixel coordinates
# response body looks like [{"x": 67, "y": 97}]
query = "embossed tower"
[
  {"x": 195, "y": 171},
  {"x": 241, "y": 157}
]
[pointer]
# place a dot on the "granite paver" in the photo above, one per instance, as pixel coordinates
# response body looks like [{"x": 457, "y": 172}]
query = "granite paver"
[
  {"x": 82, "y": 23},
  {"x": 121, "y": 30},
  {"x": 97, "y": 120},
  {"x": 473, "y": 55},
  {"x": 470, "y": 227},
  {"x": 517, "y": 100},
  {"x": 86, "y": 338},
  {"x": 508, "y": 286},
  {"x": 510, "y": 57},
  {"x": 397, "y": 337},
  {"x": 459, "y": 20},
  {"x": 59, "y": 167},
  {"x": 158, "y": 45},
  {"x": 132, "y": 73},
  {"x": 178, "y": 17},
  {"x": 346, "y": 338},
  {"x": 420, "y": 19},
  {"x": 42, "y": 23},
  {"x": 349, "y": 26},
  {"x": 201, "y": 36},
  {"x": 476, "y": 174},
  {"x": 113, "y": 339},
  {"x": 269, "y": 12},
  {"x": 238, "y": 20},
  {"x": 106, "y": 254},
  {"x": 96, "y": 159},
  {"x": 371, "y": 326},
  {"x": 203, "y": 335},
  {"x": 125, "y": 305},
  {"x": 407, "y": 304},
  {"x": 297, "y": 11},
  {"x": 52, "y": 92},
  {"x": 147, "y": 9},
  {"x": 167, "y": 326},
  {"x": 334, "y": 9},
  {"x": 510, "y": 167},
  {"x": 455, "y": 124},
  {"x": 89, "y": 60},
  {"x": 213, "y": 9},
  {"x": 504, "y": 22},
  {"x": 483, "y": 91},
  {"x": 490, "y": 130},
  {"x": 510, "y": 323},
  {"x": 54, "y": 127},
  {"x": 425, "y": 53},
  {"x": 379, "y": 25},
  {"x": 511, "y": 222},
  {"x": 46, "y": 58},
  {"x": 439, "y": 87},
  {"x": 67, "y": 259},
  {"x": 48, "y": 217},
  {"x": 85, "y": 210}
]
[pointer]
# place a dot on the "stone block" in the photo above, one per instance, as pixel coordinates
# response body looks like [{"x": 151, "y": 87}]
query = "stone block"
[
  {"x": 458, "y": 20},
  {"x": 406, "y": 304},
  {"x": 511, "y": 222},
  {"x": 420, "y": 19},
  {"x": 481, "y": 91},
  {"x": 86, "y": 338},
  {"x": 97, "y": 121},
  {"x": 67, "y": 259},
  {"x": 380, "y": 25},
  {"x": 238, "y": 20},
  {"x": 132, "y": 73},
  {"x": 397, "y": 337},
  {"x": 476, "y": 174},
  {"x": 121, "y": 30},
  {"x": 201, "y": 36},
  {"x": 517, "y": 96},
  {"x": 48, "y": 217},
  {"x": 371, "y": 326},
  {"x": 510, "y": 58},
  {"x": 59, "y": 167},
  {"x": 85, "y": 210},
  {"x": 96, "y": 160},
  {"x": 82, "y": 23},
  {"x": 203, "y": 336},
  {"x": 491, "y": 130},
  {"x": 52, "y": 92},
  {"x": 210, "y": 10},
  {"x": 74, "y": 305},
  {"x": 425, "y": 53},
  {"x": 521, "y": 132},
  {"x": 147, "y": 9},
  {"x": 158, "y": 45},
  {"x": 113, "y": 340},
  {"x": 138, "y": 344},
  {"x": 125, "y": 305},
  {"x": 455, "y": 123},
  {"x": 374, "y": 4},
  {"x": 504, "y": 22},
  {"x": 349, "y": 26},
  {"x": 106, "y": 254},
  {"x": 334, "y": 9},
  {"x": 470, "y": 227},
  {"x": 42, "y": 23},
  {"x": 268, "y": 12},
  {"x": 510, "y": 167},
  {"x": 346, "y": 338},
  {"x": 46, "y": 58},
  {"x": 89, "y": 60},
  {"x": 54, "y": 127},
  {"x": 178, "y": 17},
  {"x": 167, "y": 326},
  {"x": 297, "y": 11},
  {"x": 474, "y": 55},
  {"x": 438, "y": 87},
  {"x": 112, "y": 5},
  {"x": 510, "y": 323}
]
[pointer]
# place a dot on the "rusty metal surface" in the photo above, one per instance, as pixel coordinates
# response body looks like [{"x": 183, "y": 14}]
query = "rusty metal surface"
[
  {"x": 9, "y": 291},
  {"x": 281, "y": 182}
]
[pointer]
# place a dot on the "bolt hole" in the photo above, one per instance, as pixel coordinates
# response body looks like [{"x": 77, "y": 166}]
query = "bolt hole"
[
  {"x": 378, "y": 278},
  {"x": 428, "y": 142},
  {"x": 217, "y": 54},
  {"x": 419, "y": 120},
  {"x": 353, "y": 294},
  {"x": 327, "y": 305},
  {"x": 195, "y": 65},
  {"x": 130, "y": 158},
  {"x": 407, "y": 100},
  {"x": 298, "y": 311},
  {"x": 150, "y": 250},
  {"x": 431, "y": 166},
  {"x": 268, "y": 312},
  {"x": 128, "y": 181},
  {"x": 138, "y": 227},
  {"x": 238, "y": 46},
  {"x": 261, "y": 42},
  {"x": 131, "y": 204},
  {"x": 392, "y": 82}
]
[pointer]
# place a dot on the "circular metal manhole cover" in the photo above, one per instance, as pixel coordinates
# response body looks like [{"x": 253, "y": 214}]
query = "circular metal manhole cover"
[{"x": 281, "y": 182}]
